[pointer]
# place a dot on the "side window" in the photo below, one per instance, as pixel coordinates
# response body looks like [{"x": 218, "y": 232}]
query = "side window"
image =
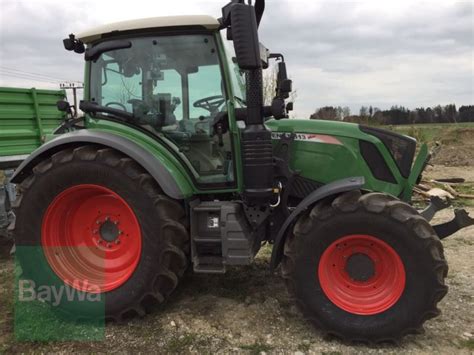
[
  {"x": 207, "y": 82},
  {"x": 170, "y": 88}
]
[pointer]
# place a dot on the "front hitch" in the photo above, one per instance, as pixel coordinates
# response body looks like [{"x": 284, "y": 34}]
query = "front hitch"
[
  {"x": 436, "y": 204},
  {"x": 461, "y": 220},
  {"x": 461, "y": 217}
]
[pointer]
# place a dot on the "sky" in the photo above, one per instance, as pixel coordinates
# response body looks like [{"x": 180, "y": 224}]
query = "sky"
[{"x": 338, "y": 53}]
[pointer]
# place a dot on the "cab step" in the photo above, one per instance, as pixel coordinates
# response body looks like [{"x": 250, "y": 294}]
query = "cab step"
[{"x": 220, "y": 236}]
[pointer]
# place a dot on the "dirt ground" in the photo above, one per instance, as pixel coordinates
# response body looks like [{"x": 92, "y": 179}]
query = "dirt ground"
[
  {"x": 248, "y": 311},
  {"x": 457, "y": 148}
]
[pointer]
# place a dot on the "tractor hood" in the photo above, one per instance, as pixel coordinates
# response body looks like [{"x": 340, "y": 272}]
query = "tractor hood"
[
  {"x": 328, "y": 150},
  {"x": 320, "y": 127}
]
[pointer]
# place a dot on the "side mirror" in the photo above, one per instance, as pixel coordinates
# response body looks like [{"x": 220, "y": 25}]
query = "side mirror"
[
  {"x": 73, "y": 44},
  {"x": 244, "y": 31},
  {"x": 64, "y": 106},
  {"x": 278, "y": 108},
  {"x": 285, "y": 86},
  {"x": 282, "y": 74}
]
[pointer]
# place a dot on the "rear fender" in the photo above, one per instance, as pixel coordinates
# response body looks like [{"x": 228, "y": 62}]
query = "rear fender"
[{"x": 163, "y": 174}]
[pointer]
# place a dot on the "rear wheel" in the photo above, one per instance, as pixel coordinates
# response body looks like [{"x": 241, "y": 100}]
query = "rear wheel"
[
  {"x": 365, "y": 267},
  {"x": 92, "y": 219}
]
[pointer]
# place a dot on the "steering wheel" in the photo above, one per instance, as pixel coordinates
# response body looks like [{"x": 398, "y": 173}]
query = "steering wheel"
[
  {"x": 116, "y": 104},
  {"x": 211, "y": 103}
]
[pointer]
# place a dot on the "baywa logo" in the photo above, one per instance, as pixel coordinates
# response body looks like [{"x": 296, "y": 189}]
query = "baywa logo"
[
  {"x": 29, "y": 291},
  {"x": 49, "y": 308}
]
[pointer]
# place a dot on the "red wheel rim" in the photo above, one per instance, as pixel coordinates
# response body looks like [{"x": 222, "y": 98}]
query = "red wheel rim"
[
  {"x": 91, "y": 238},
  {"x": 377, "y": 290}
]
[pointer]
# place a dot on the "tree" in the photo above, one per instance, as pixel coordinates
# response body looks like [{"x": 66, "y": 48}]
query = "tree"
[
  {"x": 466, "y": 113},
  {"x": 364, "y": 111},
  {"x": 270, "y": 84},
  {"x": 450, "y": 113},
  {"x": 438, "y": 114},
  {"x": 346, "y": 111},
  {"x": 325, "y": 113}
]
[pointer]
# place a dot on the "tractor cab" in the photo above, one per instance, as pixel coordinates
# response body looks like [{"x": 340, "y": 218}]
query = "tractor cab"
[
  {"x": 172, "y": 83},
  {"x": 181, "y": 84}
]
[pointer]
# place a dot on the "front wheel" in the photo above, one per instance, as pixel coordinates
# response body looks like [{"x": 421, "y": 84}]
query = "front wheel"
[{"x": 365, "y": 267}]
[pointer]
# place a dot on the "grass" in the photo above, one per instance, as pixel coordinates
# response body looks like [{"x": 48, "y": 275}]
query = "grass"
[
  {"x": 180, "y": 343},
  {"x": 6, "y": 305},
  {"x": 467, "y": 344},
  {"x": 436, "y": 132},
  {"x": 257, "y": 347}
]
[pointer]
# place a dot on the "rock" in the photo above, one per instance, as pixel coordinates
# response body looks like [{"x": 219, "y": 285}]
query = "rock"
[
  {"x": 173, "y": 323},
  {"x": 467, "y": 334},
  {"x": 299, "y": 353}
]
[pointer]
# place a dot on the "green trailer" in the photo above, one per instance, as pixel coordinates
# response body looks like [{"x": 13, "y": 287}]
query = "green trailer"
[{"x": 27, "y": 116}]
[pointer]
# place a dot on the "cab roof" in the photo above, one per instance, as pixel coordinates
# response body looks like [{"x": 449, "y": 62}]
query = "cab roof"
[{"x": 207, "y": 22}]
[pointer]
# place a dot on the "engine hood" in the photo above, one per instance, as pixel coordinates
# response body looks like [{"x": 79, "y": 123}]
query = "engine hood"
[{"x": 331, "y": 128}]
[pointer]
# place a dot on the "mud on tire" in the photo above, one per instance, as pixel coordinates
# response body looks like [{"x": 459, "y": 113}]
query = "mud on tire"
[
  {"x": 164, "y": 237},
  {"x": 393, "y": 224}
]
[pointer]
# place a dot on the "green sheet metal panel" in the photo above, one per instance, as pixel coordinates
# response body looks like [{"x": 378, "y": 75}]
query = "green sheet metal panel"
[{"x": 26, "y": 116}]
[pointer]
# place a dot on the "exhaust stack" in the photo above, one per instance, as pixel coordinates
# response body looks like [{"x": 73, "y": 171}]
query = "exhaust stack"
[{"x": 257, "y": 152}]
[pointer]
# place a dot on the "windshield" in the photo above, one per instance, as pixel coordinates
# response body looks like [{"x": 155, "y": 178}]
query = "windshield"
[
  {"x": 172, "y": 86},
  {"x": 160, "y": 79}
]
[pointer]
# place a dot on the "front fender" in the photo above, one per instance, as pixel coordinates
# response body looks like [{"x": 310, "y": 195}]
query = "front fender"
[
  {"x": 166, "y": 176},
  {"x": 333, "y": 188}
]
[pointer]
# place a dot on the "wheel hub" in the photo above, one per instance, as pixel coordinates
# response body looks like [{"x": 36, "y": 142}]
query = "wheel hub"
[
  {"x": 109, "y": 231},
  {"x": 360, "y": 267}
]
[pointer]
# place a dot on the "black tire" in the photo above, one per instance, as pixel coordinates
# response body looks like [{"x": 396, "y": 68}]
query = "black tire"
[
  {"x": 394, "y": 223},
  {"x": 164, "y": 237}
]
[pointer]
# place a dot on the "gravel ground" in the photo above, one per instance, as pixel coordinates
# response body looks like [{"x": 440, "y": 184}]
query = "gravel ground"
[{"x": 248, "y": 311}]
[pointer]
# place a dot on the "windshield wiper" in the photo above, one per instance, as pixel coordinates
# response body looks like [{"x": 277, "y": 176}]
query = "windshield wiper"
[{"x": 93, "y": 107}]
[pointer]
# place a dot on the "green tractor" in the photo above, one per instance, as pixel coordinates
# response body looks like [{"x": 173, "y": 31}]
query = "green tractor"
[{"x": 178, "y": 162}]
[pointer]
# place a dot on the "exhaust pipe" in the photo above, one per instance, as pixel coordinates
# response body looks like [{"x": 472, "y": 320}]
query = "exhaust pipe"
[{"x": 257, "y": 152}]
